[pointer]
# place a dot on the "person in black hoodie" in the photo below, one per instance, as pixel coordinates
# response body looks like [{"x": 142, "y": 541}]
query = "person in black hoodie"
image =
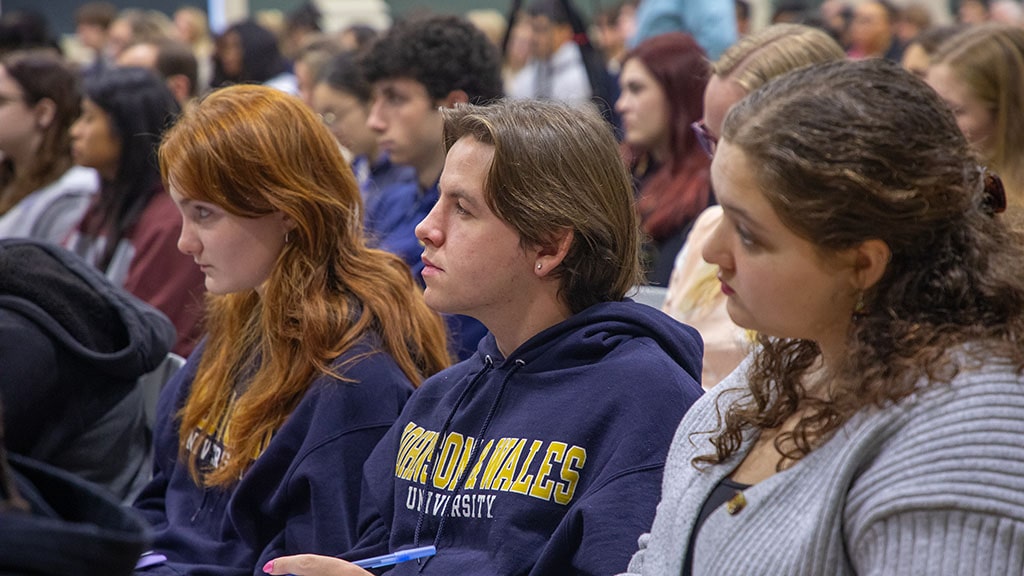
[
  {"x": 54, "y": 523},
  {"x": 543, "y": 452},
  {"x": 72, "y": 347}
]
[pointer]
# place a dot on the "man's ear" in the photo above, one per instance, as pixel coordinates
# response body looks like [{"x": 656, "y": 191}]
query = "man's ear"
[
  {"x": 180, "y": 86},
  {"x": 45, "y": 110},
  {"x": 551, "y": 254},
  {"x": 871, "y": 260}
]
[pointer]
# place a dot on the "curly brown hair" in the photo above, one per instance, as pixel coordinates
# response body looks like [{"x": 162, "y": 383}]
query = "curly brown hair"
[{"x": 847, "y": 152}]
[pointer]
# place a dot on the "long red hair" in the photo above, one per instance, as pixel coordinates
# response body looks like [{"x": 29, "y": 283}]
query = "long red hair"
[
  {"x": 254, "y": 150},
  {"x": 679, "y": 190}
]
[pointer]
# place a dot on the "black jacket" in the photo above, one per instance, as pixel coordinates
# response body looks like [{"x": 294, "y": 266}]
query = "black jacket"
[{"x": 72, "y": 347}]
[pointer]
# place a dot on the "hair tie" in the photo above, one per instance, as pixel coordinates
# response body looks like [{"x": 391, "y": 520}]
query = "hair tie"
[{"x": 994, "y": 197}]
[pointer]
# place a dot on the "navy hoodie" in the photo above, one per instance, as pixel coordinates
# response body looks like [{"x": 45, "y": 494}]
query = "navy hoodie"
[
  {"x": 302, "y": 492},
  {"x": 72, "y": 347},
  {"x": 551, "y": 459}
]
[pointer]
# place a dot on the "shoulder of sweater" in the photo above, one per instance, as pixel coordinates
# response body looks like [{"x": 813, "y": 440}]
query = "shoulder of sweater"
[{"x": 956, "y": 446}]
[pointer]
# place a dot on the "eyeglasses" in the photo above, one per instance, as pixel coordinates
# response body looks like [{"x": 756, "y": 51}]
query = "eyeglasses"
[{"x": 708, "y": 142}]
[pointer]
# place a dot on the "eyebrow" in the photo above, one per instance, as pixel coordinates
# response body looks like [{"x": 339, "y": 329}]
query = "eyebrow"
[{"x": 459, "y": 195}]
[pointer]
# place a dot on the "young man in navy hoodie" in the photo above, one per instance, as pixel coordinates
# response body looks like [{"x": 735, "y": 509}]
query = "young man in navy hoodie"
[
  {"x": 543, "y": 452},
  {"x": 418, "y": 68}
]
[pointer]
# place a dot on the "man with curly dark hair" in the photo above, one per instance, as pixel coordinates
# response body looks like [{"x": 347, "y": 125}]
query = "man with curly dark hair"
[{"x": 417, "y": 68}]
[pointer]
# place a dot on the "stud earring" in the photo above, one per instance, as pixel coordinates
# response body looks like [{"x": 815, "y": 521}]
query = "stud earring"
[{"x": 539, "y": 266}]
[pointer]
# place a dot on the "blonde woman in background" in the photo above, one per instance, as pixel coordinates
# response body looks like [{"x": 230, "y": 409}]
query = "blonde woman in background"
[
  {"x": 694, "y": 295},
  {"x": 980, "y": 75}
]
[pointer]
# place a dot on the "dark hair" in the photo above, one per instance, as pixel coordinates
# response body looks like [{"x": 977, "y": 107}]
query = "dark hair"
[
  {"x": 305, "y": 17},
  {"x": 553, "y": 10},
  {"x": 556, "y": 167},
  {"x": 742, "y": 9},
  {"x": 443, "y": 53},
  {"x": 847, "y": 152},
  {"x": 342, "y": 72},
  {"x": 100, "y": 14},
  {"x": 175, "y": 58},
  {"x": 364, "y": 36},
  {"x": 25, "y": 29},
  {"x": 261, "y": 56},
  {"x": 677, "y": 193},
  {"x": 140, "y": 108},
  {"x": 42, "y": 74}
]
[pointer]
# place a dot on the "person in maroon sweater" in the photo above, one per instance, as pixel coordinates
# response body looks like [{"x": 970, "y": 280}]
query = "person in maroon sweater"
[{"x": 131, "y": 229}]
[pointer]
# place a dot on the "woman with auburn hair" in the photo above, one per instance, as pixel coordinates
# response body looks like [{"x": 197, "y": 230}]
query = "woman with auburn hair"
[
  {"x": 42, "y": 193},
  {"x": 693, "y": 295},
  {"x": 980, "y": 74},
  {"x": 662, "y": 85},
  {"x": 878, "y": 427},
  {"x": 314, "y": 341}
]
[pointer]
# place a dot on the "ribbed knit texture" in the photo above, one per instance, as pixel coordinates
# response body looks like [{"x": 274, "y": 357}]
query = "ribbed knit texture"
[{"x": 933, "y": 485}]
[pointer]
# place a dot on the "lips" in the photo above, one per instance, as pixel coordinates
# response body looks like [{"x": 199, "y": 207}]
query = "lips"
[
  {"x": 726, "y": 289},
  {"x": 429, "y": 266}
]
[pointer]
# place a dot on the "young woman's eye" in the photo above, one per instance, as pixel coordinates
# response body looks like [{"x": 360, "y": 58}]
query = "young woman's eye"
[
  {"x": 460, "y": 210},
  {"x": 746, "y": 238},
  {"x": 202, "y": 213}
]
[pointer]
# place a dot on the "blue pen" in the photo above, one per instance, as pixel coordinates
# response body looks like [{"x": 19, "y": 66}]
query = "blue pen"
[{"x": 397, "y": 557}]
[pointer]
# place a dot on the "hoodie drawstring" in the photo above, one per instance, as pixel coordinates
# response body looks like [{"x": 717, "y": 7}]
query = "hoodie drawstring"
[{"x": 473, "y": 453}]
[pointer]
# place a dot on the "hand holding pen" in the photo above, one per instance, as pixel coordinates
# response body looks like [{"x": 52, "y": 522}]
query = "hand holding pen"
[{"x": 313, "y": 565}]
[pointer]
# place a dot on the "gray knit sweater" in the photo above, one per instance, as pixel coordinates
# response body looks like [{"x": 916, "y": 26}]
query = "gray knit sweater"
[{"x": 933, "y": 485}]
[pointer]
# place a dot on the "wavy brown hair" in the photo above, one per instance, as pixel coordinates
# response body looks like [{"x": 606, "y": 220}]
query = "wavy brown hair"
[
  {"x": 253, "y": 151},
  {"x": 852, "y": 151}
]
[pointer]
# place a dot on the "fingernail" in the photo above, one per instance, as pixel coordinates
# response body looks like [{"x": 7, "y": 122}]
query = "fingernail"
[{"x": 268, "y": 567}]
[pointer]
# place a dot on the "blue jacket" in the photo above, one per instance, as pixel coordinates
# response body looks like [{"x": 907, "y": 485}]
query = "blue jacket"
[
  {"x": 300, "y": 495},
  {"x": 391, "y": 221},
  {"x": 567, "y": 438},
  {"x": 712, "y": 23}
]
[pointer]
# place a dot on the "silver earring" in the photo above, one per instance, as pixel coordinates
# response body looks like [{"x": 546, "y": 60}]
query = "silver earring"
[
  {"x": 539, "y": 266},
  {"x": 288, "y": 237}
]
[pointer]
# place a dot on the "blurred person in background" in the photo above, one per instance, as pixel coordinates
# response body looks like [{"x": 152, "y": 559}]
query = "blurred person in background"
[
  {"x": 131, "y": 229},
  {"x": 980, "y": 74},
  {"x": 248, "y": 53},
  {"x": 662, "y": 89},
  {"x": 43, "y": 194}
]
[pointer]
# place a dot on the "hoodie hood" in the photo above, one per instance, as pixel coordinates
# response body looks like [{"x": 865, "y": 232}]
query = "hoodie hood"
[
  {"x": 72, "y": 527},
  {"x": 594, "y": 333},
  {"x": 102, "y": 324}
]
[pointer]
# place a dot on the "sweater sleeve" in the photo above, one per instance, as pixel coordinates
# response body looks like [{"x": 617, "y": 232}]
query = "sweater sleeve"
[
  {"x": 945, "y": 494},
  {"x": 942, "y": 542}
]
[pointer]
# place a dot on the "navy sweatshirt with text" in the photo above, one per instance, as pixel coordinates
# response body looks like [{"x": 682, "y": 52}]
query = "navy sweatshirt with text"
[
  {"x": 300, "y": 495},
  {"x": 545, "y": 462}
]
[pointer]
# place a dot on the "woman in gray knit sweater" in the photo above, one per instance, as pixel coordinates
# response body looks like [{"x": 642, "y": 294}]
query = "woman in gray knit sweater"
[{"x": 878, "y": 428}]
